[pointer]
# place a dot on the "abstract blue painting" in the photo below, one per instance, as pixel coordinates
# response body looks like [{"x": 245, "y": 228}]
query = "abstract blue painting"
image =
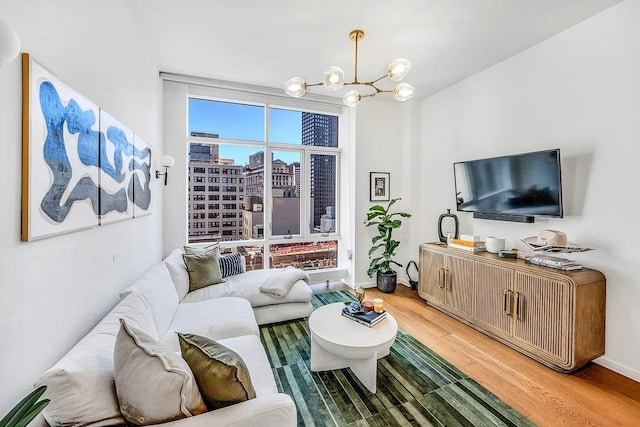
[
  {"x": 81, "y": 167},
  {"x": 60, "y": 156}
]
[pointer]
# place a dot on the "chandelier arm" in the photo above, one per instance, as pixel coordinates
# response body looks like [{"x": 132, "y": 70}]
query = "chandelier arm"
[
  {"x": 378, "y": 79},
  {"x": 312, "y": 84},
  {"x": 355, "y": 72},
  {"x": 385, "y": 90}
]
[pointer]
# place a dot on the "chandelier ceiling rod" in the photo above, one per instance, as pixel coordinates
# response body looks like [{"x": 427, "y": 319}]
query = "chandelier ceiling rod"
[{"x": 333, "y": 79}]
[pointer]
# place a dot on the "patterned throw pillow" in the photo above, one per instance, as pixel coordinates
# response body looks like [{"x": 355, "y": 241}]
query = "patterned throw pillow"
[{"x": 231, "y": 265}]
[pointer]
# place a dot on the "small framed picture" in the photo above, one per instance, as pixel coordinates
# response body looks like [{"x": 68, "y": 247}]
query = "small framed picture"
[{"x": 379, "y": 186}]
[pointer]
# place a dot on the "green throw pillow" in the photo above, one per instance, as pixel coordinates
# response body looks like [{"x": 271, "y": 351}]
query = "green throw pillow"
[
  {"x": 197, "y": 249},
  {"x": 203, "y": 268},
  {"x": 221, "y": 374}
]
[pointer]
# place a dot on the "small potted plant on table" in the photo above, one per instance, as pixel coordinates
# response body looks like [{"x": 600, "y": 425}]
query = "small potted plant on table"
[{"x": 380, "y": 262}]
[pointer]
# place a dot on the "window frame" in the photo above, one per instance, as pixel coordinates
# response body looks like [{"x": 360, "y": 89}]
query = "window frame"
[{"x": 306, "y": 228}]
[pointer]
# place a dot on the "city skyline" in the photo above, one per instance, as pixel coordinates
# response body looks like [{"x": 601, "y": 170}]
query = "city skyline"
[{"x": 245, "y": 122}]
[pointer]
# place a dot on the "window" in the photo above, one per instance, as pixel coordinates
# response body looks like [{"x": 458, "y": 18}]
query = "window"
[{"x": 282, "y": 165}]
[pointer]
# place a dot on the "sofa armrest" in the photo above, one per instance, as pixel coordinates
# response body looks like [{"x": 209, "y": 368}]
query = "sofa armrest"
[{"x": 273, "y": 410}]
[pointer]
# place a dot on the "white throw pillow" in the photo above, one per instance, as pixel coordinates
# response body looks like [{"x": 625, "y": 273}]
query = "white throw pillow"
[
  {"x": 178, "y": 272},
  {"x": 156, "y": 285},
  {"x": 154, "y": 385},
  {"x": 80, "y": 385}
]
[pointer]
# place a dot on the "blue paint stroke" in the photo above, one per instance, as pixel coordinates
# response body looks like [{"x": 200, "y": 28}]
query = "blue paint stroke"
[
  {"x": 55, "y": 155},
  {"x": 140, "y": 193}
]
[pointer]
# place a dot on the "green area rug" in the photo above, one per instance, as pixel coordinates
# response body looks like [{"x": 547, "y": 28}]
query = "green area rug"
[{"x": 415, "y": 387}]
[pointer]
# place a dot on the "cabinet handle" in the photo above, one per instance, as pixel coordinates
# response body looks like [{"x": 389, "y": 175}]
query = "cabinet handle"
[
  {"x": 505, "y": 307},
  {"x": 440, "y": 278},
  {"x": 447, "y": 280},
  {"x": 517, "y": 305}
]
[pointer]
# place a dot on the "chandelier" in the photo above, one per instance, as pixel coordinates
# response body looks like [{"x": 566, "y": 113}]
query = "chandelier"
[{"x": 333, "y": 79}]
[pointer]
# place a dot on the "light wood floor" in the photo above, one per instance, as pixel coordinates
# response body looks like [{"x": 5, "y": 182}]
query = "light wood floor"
[{"x": 593, "y": 396}]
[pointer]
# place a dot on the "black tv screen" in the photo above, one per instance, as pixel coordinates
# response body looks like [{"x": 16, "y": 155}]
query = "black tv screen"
[{"x": 522, "y": 184}]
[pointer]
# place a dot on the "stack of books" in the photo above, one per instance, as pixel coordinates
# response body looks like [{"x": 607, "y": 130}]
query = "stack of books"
[
  {"x": 468, "y": 242},
  {"x": 367, "y": 318},
  {"x": 553, "y": 262}
]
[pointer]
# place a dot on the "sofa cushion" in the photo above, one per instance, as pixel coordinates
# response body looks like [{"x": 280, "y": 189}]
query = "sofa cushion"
[
  {"x": 178, "y": 272},
  {"x": 247, "y": 285},
  {"x": 156, "y": 285},
  {"x": 203, "y": 268},
  {"x": 252, "y": 352},
  {"x": 222, "y": 376},
  {"x": 80, "y": 385},
  {"x": 153, "y": 384},
  {"x": 217, "y": 319},
  {"x": 230, "y": 265}
]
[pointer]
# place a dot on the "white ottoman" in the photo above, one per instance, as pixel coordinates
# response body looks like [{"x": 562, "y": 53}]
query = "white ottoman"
[{"x": 338, "y": 342}]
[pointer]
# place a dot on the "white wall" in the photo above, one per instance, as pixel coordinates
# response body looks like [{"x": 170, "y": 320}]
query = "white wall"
[
  {"x": 383, "y": 135},
  {"x": 53, "y": 291},
  {"x": 577, "y": 91}
]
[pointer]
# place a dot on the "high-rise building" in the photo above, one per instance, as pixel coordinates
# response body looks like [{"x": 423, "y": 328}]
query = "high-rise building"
[
  {"x": 321, "y": 130},
  {"x": 285, "y": 199},
  {"x": 215, "y": 195}
]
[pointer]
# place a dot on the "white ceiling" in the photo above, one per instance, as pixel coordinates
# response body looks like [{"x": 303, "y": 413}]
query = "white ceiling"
[{"x": 264, "y": 42}]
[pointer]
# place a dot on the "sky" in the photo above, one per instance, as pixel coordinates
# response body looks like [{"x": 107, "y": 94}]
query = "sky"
[{"x": 245, "y": 122}]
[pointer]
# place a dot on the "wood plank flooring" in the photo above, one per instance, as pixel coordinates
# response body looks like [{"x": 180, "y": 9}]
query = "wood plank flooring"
[{"x": 593, "y": 396}]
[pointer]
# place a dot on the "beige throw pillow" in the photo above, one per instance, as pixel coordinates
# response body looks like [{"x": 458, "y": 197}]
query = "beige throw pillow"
[
  {"x": 221, "y": 374},
  {"x": 203, "y": 268},
  {"x": 153, "y": 384}
]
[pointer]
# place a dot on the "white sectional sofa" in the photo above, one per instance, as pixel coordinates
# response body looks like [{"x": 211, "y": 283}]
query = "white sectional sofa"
[
  {"x": 81, "y": 385},
  {"x": 267, "y": 309}
]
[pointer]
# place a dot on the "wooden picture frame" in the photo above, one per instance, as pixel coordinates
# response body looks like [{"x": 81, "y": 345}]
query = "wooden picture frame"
[{"x": 379, "y": 186}]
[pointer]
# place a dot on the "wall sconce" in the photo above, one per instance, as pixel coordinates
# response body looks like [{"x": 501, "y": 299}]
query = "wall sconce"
[
  {"x": 166, "y": 162},
  {"x": 9, "y": 43}
]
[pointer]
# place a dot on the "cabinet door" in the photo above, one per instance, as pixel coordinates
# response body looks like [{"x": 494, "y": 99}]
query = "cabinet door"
[
  {"x": 493, "y": 297},
  {"x": 459, "y": 284},
  {"x": 541, "y": 314},
  {"x": 431, "y": 272}
]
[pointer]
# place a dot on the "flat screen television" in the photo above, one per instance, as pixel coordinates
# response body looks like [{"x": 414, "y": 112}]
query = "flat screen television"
[{"x": 520, "y": 185}]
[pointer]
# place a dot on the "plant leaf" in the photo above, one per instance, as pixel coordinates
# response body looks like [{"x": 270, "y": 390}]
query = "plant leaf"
[
  {"x": 374, "y": 249},
  {"x": 35, "y": 410},
  {"x": 18, "y": 412}
]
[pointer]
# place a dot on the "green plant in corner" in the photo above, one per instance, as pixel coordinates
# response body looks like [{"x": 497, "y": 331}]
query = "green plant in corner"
[
  {"x": 385, "y": 222},
  {"x": 25, "y": 411}
]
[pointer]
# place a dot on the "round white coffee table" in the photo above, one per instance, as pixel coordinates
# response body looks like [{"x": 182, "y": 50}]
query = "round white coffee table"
[{"x": 338, "y": 342}]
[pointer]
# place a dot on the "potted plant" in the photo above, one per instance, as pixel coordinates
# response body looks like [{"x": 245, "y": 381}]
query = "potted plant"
[{"x": 380, "y": 264}]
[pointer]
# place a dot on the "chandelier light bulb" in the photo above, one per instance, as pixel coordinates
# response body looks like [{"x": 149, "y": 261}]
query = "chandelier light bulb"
[
  {"x": 398, "y": 69},
  {"x": 404, "y": 92},
  {"x": 295, "y": 87},
  {"x": 333, "y": 78},
  {"x": 351, "y": 98}
]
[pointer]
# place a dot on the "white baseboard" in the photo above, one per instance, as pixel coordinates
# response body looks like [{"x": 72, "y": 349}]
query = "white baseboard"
[
  {"x": 373, "y": 284},
  {"x": 616, "y": 367}
]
